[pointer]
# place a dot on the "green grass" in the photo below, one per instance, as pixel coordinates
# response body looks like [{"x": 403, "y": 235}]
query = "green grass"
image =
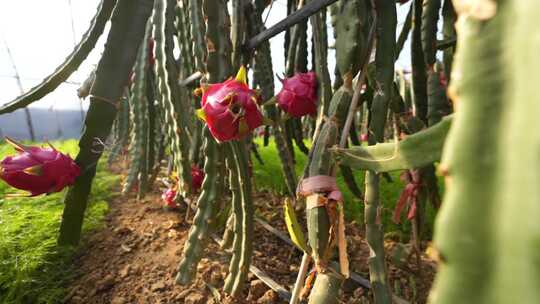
[
  {"x": 33, "y": 269},
  {"x": 269, "y": 177}
]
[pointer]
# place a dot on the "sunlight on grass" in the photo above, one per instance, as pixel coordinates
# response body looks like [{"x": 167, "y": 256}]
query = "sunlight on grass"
[{"x": 32, "y": 268}]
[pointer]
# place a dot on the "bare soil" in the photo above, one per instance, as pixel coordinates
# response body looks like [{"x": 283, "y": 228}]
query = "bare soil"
[{"x": 133, "y": 259}]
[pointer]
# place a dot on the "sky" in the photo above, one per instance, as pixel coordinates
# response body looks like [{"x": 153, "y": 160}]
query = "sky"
[{"x": 40, "y": 34}]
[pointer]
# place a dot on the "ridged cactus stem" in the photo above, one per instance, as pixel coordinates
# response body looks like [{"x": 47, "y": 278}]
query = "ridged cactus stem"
[
  {"x": 139, "y": 115},
  {"x": 293, "y": 38},
  {"x": 296, "y": 126},
  {"x": 430, "y": 16},
  {"x": 152, "y": 133},
  {"x": 237, "y": 215},
  {"x": 405, "y": 30},
  {"x": 318, "y": 219},
  {"x": 419, "y": 77},
  {"x": 238, "y": 30},
  {"x": 384, "y": 74},
  {"x": 487, "y": 232},
  {"x": 185, "y": 43},
  {"x": 321, "y": 65},
  {"x": 125, "y": 36},
  {"x": 218, "y": 42},
  {"x": 178, "y": 139},
  {"x": 449, "y": 32},
  {"x": 241, "y": 158},
  {"x": 228, "y": 233},
  {"x": 198, "y": 30},
  {"x": 180, "y": 96},
  {"x": 122, "y": 122},
  {"x": 198, "y": 233}
]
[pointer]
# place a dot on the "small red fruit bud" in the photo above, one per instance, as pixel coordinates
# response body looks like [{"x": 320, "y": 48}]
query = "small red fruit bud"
[
  {"x": 197, "y": 177},
  {"x": 168, "y": 198}
]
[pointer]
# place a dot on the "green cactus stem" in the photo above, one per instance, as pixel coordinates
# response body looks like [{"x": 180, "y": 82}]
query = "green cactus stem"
[
  {"x": 487, "y": 233},
  {"x": 350, "y": 182},
  {"x": 196, "y": 141},
  {"x": 198, "y": 233},
  {"x": 70, "y": 64},
  {"x": 296, "y": 127},
  {"x": 449, "y": 32},
  {"x": 241, "y": 158},
  {"x": 264, "y": 77},
  {"x": 351, "y": 28},
  {"x": 197, "y": 30},
  {"x": 405, "y": 30},
  {"x": 383, "y": 87},
  {"x": 238, "y": 30},
  {"x": 228, "y": 233},
  {"x": 318, "y": 219},
  {"x": 325, "y": 288},
  {"x": 178, "y": 139},
  {"x": 139, "y": 119},
  {"x": 237, "y": 215},
  {"x": 320, "y": 45},
  {"x": 218, "y": 61},
  {"x": 179, "y": 95},
  {"x": 122, "y": 122},
  {"x": 438, "y": 105},
  {"x": 152, "y": 134},
  {"x": 301, "y": 57},
  {"x": 127, "y": 31},
  {"x": 419, "y": 77},
  {"x": 430, "y": 16},
  {"x": 415, "y": 151}
]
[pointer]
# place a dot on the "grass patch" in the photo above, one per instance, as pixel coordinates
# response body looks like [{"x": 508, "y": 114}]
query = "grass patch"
[
  {"x": 269, "y": 177},
  {"x": 33, "y": 269}
]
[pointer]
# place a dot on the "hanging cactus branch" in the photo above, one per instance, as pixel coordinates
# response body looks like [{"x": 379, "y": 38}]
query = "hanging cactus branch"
[
  {"x": 415, "y": 151},
  {"x": 70, "y": 64}
]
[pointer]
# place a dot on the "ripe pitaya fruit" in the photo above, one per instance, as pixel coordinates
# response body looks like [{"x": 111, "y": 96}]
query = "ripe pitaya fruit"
[
  {"x": 231, "y": 108},
  {"x": 298, "y": 97},
  {"x": 38, "y": 170}
]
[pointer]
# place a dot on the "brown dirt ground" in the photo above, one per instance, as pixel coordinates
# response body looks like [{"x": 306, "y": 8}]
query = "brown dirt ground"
[{"x": 133, "y": 259}]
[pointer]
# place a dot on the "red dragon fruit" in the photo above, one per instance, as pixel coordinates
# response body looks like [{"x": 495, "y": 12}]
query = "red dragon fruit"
[
  {"x": 231, "y": 108},
  {"x": 298, "y": 97},
  {"x": 168, "y": 197},
  {"x": 197, "y": 176},
  {"x": 151, "y": 52},
  {"x": 38, "y": 170},
  {"x": 364, "y": 137}
]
